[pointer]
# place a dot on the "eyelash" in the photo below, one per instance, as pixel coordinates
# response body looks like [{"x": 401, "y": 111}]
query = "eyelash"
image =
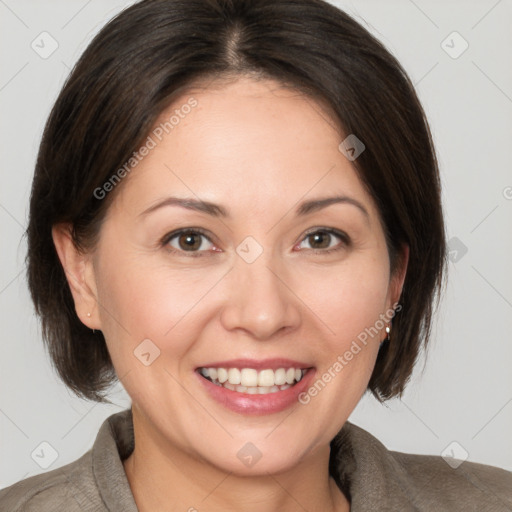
[
  {"x": 196, "y": 231},
  {"x": 345, "y": 240}
]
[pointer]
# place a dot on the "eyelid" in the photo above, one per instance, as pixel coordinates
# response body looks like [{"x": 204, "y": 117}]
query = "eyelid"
[
  {"x": 173, "y": 234},
  {"x": 345, "y": 239},
  {"x": 332, "y": 231}
]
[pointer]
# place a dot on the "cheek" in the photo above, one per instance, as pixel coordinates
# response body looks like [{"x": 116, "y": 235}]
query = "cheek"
[
  {"x": 349, "y": 304},
  {"x": 348, "y": 298},
  {"x": 150, "y": 300}
]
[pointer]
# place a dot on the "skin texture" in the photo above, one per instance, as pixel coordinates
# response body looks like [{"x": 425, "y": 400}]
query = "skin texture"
[{"x": 258, "y": 150}]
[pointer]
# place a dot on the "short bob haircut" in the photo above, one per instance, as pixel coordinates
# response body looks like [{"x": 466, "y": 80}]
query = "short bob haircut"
[{"x": 156, "y": 49}]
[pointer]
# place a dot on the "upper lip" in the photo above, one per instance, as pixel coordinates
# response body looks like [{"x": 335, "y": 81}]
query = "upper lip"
[{"x": 261, "y": 364}]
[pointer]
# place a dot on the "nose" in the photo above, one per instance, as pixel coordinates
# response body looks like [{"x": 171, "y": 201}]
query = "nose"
[{"x": 259, "y": 301}]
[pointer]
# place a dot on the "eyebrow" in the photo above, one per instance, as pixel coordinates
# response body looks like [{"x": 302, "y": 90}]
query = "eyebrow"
[
  {"x": 215, "y": 210},
  {"x": 308, "y": 207},
  {"x": 190, "y": 204}
]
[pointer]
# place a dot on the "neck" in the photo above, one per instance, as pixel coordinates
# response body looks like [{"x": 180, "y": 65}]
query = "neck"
[{"x": 163, "y": 477}]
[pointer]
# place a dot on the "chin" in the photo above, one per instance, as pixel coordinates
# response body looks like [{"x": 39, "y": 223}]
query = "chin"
[{"x": 250, "y": 461}]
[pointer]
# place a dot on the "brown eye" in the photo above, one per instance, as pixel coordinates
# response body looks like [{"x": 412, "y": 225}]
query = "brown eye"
[
  {"x": 325, "y": 240},
  {"x": 319, "y": 240},
  {"x": 190, "y": 241}
]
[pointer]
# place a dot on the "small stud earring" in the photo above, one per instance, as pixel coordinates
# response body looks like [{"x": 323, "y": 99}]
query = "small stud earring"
[
  {"x": 388, "y": 330},
  {"x": 89, "y": 315}
]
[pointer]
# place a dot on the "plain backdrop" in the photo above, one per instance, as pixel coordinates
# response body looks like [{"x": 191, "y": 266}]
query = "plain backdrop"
[{"x": 460, "y": 401}]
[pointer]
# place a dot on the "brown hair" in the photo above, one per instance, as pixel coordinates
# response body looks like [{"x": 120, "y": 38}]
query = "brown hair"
[{"x": 152, "y": 50}]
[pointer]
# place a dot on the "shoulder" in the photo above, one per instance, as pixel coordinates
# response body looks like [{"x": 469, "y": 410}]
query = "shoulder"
[
  {"x": 454, "y": 484},
  {"x": 66, "y": 488},
  {"x": 381, "y": 479},
  {"x": 95, "y": 482}
]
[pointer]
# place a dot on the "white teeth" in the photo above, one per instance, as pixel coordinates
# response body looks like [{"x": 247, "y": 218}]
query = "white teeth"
[
  {"x": 266, "y": 378},
  {"x": 234, "y": 376},
  {"x": 280, "y": 377},
  {"x": 251, "y": 381},
  {"x": 290, "y": 376},
  {"x": 249, "y": 377}
]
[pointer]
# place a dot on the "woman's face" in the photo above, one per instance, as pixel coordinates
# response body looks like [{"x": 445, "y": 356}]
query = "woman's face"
[{"x": 270, "y": 273}]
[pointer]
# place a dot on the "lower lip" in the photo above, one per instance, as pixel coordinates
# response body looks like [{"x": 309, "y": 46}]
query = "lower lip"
[{"x": 257, "y": 405}]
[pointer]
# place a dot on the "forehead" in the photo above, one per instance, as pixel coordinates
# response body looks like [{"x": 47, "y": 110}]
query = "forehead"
[{"x": 247, "y": 142}]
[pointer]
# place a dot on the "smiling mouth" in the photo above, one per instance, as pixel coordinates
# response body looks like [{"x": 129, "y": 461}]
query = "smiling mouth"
[{"x": 252, "y": 381}]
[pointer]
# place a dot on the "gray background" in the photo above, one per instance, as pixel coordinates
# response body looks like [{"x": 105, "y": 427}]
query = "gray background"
[{"x": 463, "y": 394}]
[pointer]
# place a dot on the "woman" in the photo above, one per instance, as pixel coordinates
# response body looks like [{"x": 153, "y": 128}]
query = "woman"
[{"x": 236, "y": 211}]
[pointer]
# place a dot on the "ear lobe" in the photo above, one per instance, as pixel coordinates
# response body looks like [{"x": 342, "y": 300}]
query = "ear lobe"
[{"x": 76, "y": 266}]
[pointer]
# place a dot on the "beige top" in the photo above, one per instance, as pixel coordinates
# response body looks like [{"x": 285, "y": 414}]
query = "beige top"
[{"x": 374, "y": 478}]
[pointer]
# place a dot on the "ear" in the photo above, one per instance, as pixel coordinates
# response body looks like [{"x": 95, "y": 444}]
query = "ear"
[
  {"x": 79, "y": 272},
  {"x": 398, "y": 277}
]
